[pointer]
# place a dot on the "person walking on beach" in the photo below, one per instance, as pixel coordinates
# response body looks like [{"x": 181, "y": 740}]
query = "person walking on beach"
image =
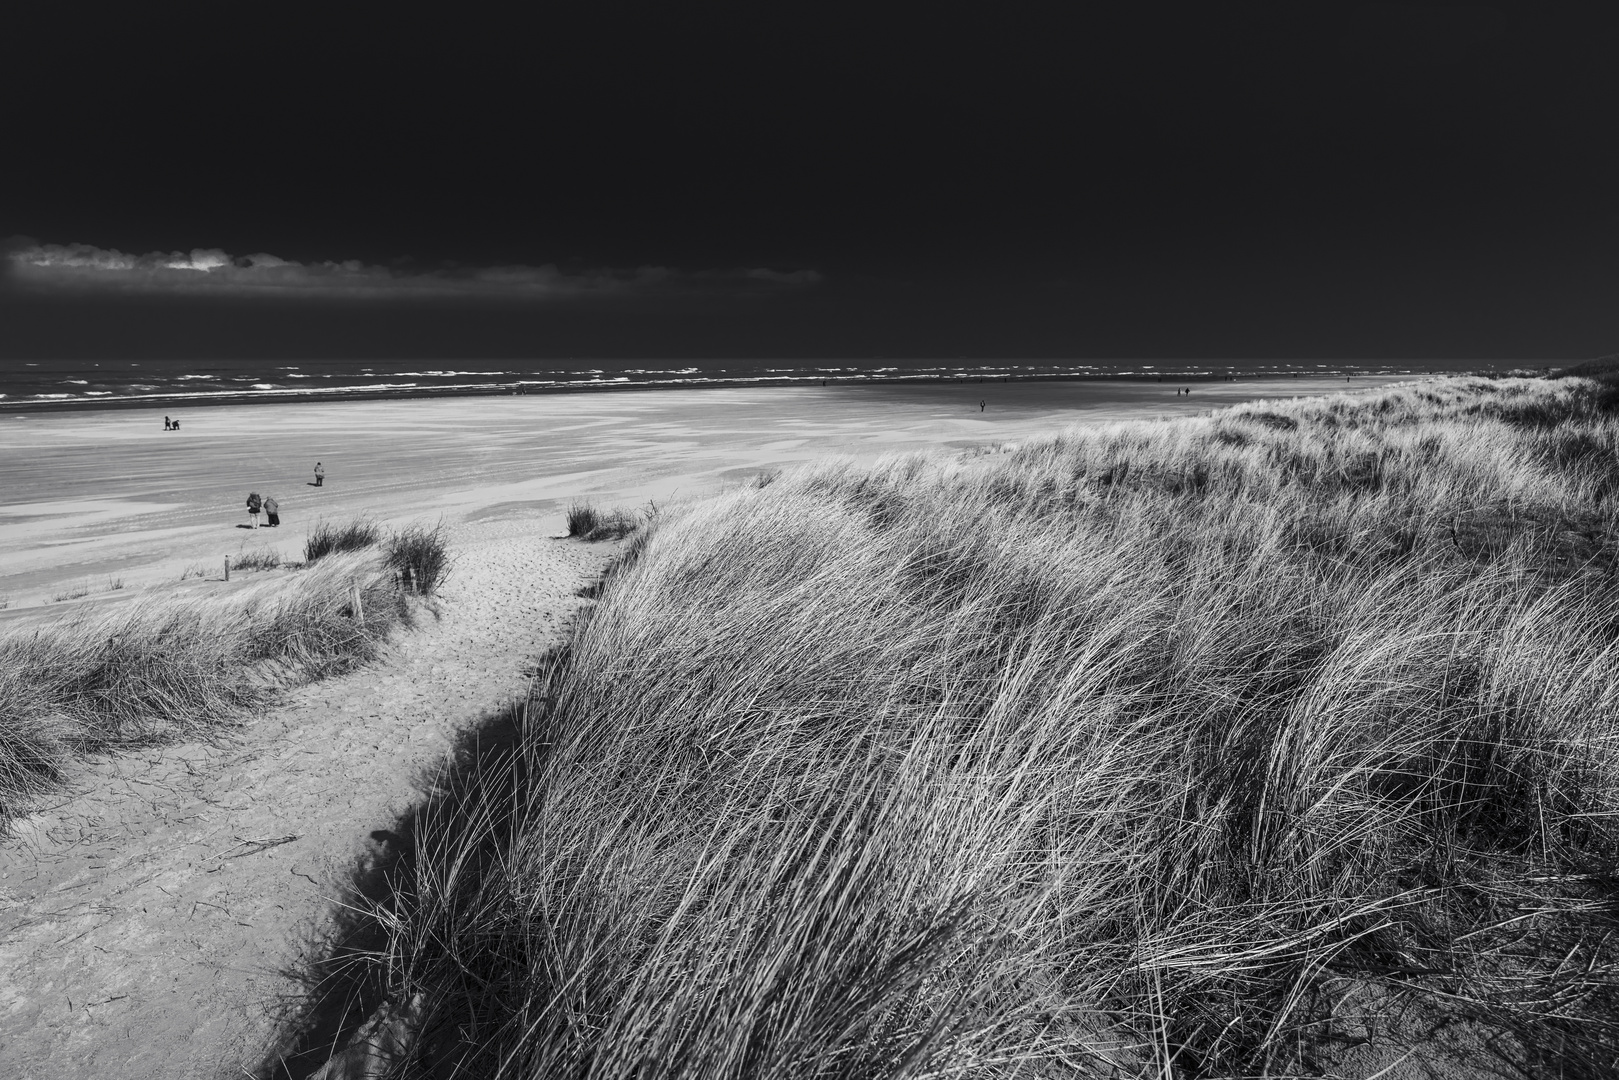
[
  {"x": 272, "y": 516},
  {"x": 168, "y": 425},
  {"x": 254, "y": 503},
  {"x": 320, "y": 474}
]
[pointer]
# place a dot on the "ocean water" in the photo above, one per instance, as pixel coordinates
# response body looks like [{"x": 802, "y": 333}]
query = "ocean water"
[{"x": 51, "y": 383}]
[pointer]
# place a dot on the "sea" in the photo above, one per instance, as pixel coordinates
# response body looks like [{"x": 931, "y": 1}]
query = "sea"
[{"x": 56, "y": 384}]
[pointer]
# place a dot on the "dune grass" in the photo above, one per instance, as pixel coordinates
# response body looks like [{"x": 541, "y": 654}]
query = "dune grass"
[
  {"x": 84, "y": 588},
  {"x": 1262, "y": 743},
  {"x": 170, "y": 668},
  {"x": 265, "y": 558},
  {"x": 327, "y": 538},
  {"x": 587, "y": 522},
  {"x": 419, "y": 555}
]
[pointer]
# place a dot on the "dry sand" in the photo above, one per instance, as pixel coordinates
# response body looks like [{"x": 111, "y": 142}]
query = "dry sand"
[
  {"x": 143, "y": 933},
  {"x": 87, "y": 499}
]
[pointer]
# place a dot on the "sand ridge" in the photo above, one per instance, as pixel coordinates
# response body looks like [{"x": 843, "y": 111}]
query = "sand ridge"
[{"x": 146, "y": 917}]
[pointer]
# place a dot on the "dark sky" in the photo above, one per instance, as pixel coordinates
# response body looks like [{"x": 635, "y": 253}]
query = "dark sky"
[{"x": 773, "y": 179}]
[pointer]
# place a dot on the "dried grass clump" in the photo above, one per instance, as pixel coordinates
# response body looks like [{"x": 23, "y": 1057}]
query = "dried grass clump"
[
  {"x": 1279, "y": 741},
  {"x": 327, "y": 538},
  {"x": 419, "y": 555},
  {"x": 266, "y": 558},
  {"x": 588, "y": 523}
]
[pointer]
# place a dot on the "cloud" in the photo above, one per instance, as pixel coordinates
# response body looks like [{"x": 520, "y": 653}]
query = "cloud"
[{"x": 27, "y": 264}]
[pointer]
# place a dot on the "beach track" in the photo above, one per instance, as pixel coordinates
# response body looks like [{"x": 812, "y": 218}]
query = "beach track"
[{"x": 152, "y": 917}]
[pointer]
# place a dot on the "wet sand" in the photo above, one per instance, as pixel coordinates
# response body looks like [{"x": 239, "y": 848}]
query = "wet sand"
[{"x": 90, "y": 499}]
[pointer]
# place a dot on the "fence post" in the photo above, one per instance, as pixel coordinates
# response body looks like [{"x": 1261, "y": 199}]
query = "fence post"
[{"x": 227, "y": 567}]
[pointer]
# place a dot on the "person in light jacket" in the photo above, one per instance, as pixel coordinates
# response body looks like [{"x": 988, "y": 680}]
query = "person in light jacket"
[
  {"x": 272, "y": 510},
  {"x": 320, "y": 474}
]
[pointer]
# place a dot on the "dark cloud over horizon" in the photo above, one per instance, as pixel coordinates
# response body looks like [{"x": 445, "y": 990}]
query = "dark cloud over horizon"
[
  {"x": 29, "y": 265},
  {"x": 1332, "y": 179}
]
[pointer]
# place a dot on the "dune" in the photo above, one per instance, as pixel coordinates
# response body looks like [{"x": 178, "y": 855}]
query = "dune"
[
  {"x": 1272, "y": 743},
  {"x": 157, "y": 912}
]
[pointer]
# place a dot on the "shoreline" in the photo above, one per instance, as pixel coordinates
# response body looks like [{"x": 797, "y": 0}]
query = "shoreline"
[{"x": 524, "y": 388}]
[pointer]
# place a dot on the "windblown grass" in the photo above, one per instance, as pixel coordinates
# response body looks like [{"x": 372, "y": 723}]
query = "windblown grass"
[
  {"x": 84, "y": 588},
  {"x": 326, "y": 538},
  {"x": 266, "y": 558},
  {"x": 588, "y": 523},
  {"x": 165, "y": 669},
  {"x": 420, "y": 557},
  {"x": 1152, "y": 749}
]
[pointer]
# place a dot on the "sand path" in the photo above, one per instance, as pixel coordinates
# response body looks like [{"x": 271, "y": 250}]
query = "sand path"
[{"x": 140, "y": 936}]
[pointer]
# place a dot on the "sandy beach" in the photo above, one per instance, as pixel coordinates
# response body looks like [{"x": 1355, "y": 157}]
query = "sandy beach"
[{"x": 89, "y": 499}]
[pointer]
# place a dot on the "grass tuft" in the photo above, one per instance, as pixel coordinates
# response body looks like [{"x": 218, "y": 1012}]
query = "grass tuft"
[
  {"x": 327, "y": 538},
  {"x": 420, "y": 558},
  {"x": 588, "y": 523},
  {"x": 265, "y": 558}
]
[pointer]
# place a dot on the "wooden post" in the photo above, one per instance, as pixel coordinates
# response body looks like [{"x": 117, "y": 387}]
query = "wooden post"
[
  {"x": 227, "y": 567},
  {"x": 359, "y": 612}
]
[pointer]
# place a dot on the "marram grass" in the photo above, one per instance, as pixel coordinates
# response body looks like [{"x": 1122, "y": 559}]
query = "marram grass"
[
  {"x": 170, "y": 668},
  {"x": 1262, "y": 743}
]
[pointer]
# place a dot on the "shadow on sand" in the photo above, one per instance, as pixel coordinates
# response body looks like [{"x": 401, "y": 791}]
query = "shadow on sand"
[{"x": 346, "y": 1023}]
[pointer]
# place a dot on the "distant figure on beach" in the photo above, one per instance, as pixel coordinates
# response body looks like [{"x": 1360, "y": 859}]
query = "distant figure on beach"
[
  {"x": 320, "y": 474},
  {"x": 272, "y": 515},
  {"x": 168, "y": 425},
  {"x": 980, "y": 406},
  {"x": 254, "y": 504}
]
